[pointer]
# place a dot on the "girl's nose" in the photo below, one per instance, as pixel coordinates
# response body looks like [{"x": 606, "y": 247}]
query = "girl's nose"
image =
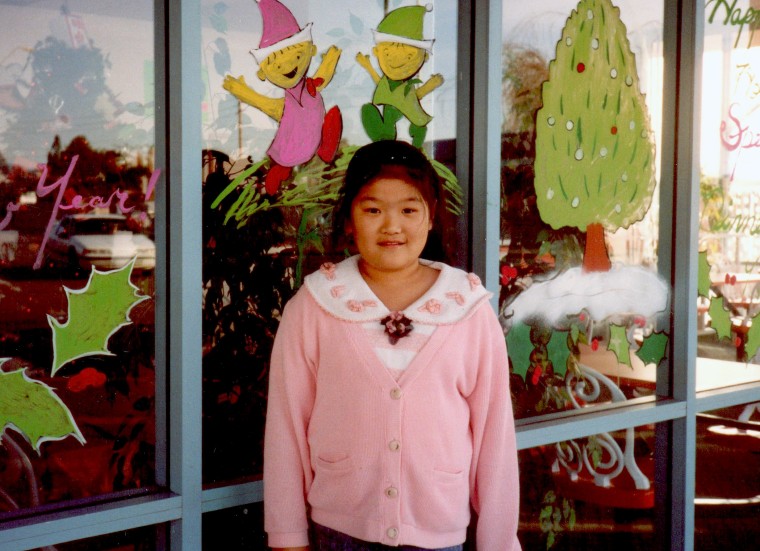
[{"x": 390, "y": 224}]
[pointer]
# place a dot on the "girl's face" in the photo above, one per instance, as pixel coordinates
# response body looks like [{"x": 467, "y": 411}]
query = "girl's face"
[{"x": 389, "y": 222}]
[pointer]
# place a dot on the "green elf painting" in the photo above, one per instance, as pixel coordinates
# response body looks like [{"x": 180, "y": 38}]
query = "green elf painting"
[{"x": 401, "y": 51}]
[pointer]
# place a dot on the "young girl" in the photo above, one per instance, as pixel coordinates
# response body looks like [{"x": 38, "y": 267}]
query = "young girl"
[{"x": 389, "y": 409}]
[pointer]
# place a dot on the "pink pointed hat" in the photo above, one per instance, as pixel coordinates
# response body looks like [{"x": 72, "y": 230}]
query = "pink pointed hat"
[{"x": 280, "y": 29}]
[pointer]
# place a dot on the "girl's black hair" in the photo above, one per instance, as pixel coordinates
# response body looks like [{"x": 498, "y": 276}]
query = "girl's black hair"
[{"x": 400, "y": 160}]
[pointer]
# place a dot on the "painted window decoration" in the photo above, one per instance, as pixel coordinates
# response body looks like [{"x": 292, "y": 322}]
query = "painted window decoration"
[
  {"x": 77, "y": 255},
  {"x": 588, "y": 169},
  {"x": 581, "y": 300},
  {"x": 293, "y": 89},
  {"x": 729, "y": 248}
]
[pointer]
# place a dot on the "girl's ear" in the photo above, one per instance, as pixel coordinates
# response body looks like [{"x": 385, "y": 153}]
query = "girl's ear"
[{"x": 431, "y": 215}]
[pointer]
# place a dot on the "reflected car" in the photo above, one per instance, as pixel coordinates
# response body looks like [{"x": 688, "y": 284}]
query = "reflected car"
[{"x": 104, "y": 241}]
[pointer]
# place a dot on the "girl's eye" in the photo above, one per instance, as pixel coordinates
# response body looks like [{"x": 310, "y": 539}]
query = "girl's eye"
[
  {"x": 372, "y": 210},
  {"x": 410, "y": 211}
]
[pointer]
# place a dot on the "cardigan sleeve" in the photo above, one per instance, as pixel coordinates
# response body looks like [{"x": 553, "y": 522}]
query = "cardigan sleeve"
[
  {"x": 287, "y": 465},
  {"x": 494, "y": 474}
]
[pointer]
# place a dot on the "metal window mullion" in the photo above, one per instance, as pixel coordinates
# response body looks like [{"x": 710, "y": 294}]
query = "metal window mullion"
[
  {"x": 570, "y": 425},
  {"x": 184, "y": 267},
  {"x": 89, "y": 522},
  {"x": 683, "y": 38},
  {"x": 485, "y": 132}
]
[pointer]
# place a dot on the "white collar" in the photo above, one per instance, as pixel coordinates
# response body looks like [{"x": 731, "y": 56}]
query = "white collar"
[{"x": 341, "y": 291}]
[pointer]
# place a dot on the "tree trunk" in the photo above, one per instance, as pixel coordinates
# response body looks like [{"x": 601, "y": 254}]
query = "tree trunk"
[{"x": 595, "y": 257}]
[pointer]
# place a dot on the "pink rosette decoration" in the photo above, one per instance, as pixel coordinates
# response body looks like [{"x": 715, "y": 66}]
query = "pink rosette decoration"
[
  {"x": 432, "y": 306},
  {"x": 456, "y": 297},
  {"x": 328, "y": 269},
  {"x": 474, "y": 281}
]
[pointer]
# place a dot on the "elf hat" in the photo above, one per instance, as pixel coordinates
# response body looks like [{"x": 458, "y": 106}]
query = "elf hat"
[
  {"x": 404, "y": 25},
  {"x": 280, "y": 30}
]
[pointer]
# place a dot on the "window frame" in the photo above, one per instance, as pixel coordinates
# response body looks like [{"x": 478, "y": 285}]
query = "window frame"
[{"x": 178, "y": 299}]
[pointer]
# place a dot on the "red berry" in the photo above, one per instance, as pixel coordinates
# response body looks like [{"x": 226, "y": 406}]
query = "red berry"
[
  {"x": 581, "y": 67},
  {"x": 613, "y": 130}
]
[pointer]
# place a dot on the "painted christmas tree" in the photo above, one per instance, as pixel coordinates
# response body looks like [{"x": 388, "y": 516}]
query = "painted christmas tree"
[{"x": 595, "y": 156}]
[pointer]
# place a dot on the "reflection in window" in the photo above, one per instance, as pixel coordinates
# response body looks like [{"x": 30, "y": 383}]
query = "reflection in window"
[
  {"x": 580, "y": 298},
  {"x": 729, "y": 277},
  {"x": 77, "y": 379},
  {"x": 270, "y": 179},
  {"x": 593, "y": 493},
  {"x": 727, "y": 487}
]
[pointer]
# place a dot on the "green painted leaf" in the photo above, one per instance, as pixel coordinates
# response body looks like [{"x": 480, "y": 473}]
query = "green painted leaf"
[
  {"x": 653, "y": 348},
  {"x": 721, "y": 318},
  {"x": 519, "y": 348},
  {"x": 34, "y": 410},
  {"x": 95, "y": 313},
  {"x": 703, "y": 281},
  {"x": 575, "y": 332},
  {"x": 619, "y": 344},
  {"x": 753, "y": 337},
  {"x": 558, "y": 351}
]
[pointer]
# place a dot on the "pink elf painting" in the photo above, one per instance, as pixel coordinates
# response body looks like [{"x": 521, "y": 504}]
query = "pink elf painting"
[{"x": 305, "y": 128}]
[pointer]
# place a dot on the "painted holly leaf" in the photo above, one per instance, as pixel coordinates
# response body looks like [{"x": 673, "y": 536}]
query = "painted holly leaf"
[
  {"x": 652, "y": 350},
  {"x": 721, "y": 318},
  {"x": 575, "y": 332},
  {"x": 519, "y": 347},
  {"x": 95, "y": 313},
  {"x": 753, "y": 338},
  {"x": 558, "y": 351},
  {"x": 619, "y": 344},
  {"x": 32, "y": 409},
  {"x": 703, "y": 281}
]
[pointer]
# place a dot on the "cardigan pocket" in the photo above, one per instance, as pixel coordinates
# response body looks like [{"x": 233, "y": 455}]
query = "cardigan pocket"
[
  {"x": 448, "y": 476},
  {"x": 444, "y": 500},
  {"x": 333, "y": 462},
  {"x": 337, "y": 487}
]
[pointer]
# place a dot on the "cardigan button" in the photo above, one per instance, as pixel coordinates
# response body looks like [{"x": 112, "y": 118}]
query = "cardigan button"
[
  {"x": 392, "y": 533},
  {"x": 394, "y": 445},
  {"x": 391, "y": 492},
  {"x": 396, "y": 393}
]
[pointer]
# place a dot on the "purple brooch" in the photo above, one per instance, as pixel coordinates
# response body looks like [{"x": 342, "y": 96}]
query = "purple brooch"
[{"x": 397, "y": 326}]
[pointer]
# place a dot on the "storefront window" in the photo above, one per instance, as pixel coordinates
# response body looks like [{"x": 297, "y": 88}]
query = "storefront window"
[
  {"x": 729, "y": 273},
  {"x": 77, "y": 256},
  {"x": 589, "y": 493},
  {"x": 290, "y": 88},
  {"x": 239, "y": 528},
  {"x": 580, "y": 296},
  {"x": 727, "y": 488}
]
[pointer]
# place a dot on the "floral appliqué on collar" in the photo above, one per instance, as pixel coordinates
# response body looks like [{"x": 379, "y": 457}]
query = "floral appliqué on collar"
[{"x": 341, "y": 291}]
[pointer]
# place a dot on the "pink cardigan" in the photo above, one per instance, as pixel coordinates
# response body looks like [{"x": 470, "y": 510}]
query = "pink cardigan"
[{"x": 380, "y": 460}]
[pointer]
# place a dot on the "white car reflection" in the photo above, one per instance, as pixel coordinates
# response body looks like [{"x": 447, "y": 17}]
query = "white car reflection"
[{"x": 100, "y": 240}]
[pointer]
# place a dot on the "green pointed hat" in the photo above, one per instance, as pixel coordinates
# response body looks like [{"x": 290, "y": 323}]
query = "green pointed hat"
[{"x": 404, "y": 25}]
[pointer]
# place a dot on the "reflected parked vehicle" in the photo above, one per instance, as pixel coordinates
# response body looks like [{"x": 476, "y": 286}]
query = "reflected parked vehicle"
[{"x": 104, "y": 241}]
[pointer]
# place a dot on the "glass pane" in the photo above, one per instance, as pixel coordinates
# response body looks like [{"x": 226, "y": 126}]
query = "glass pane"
[
  {"x": 729, "y": 273},
  {"x": 589, "y": 493},
  {"x": 77, "y": 254},
  {"x": 580, "y": 296},
  {"x": 239, "y": 528},
  {"x": 272, "y": 166},
  {"x": 727, "y": 487},
  {"x": 148, "y": 538}
]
